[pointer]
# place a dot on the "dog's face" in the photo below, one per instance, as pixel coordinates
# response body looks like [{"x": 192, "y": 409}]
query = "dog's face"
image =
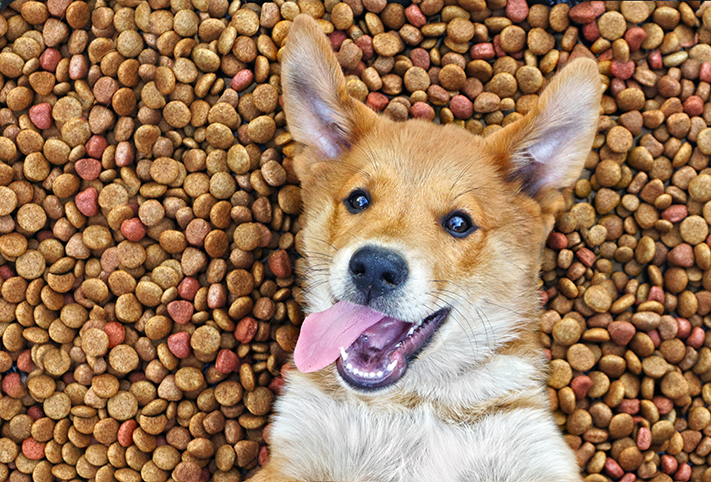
[{"x": 436, "y": 229}]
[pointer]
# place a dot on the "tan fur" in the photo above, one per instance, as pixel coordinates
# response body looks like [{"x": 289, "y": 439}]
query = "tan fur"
[{"x": 480, "y": 383}]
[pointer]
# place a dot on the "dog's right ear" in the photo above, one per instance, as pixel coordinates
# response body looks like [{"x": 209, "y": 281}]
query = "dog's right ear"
[{"x": 319, "y": 111}]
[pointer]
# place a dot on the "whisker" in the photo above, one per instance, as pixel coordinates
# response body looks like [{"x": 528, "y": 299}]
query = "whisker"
[{"x": 441, "y": 304}]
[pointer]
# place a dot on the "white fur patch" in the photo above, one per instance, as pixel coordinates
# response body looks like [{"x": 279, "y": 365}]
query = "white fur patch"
[{"x": 323, "y": 438}]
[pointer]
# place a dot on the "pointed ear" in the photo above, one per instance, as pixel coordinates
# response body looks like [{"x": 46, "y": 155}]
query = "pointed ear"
[
  {"x": 548, "y": 147},
  {"x": 319, "y": 111}
]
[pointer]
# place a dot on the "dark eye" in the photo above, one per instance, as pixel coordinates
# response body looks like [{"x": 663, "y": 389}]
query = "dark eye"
[
  {"x": 459, "y": 225},
  {"x": 357, "y": 201}
]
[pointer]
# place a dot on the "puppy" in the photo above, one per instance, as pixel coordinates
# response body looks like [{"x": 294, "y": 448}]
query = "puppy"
[{"x": 420, "y": 359}]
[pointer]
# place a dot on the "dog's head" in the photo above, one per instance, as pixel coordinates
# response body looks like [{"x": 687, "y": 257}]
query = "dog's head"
[{"x": 422, "y": 241}]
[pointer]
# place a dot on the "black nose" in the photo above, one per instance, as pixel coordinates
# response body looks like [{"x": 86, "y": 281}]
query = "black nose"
[{"x": 376, "y": 271}]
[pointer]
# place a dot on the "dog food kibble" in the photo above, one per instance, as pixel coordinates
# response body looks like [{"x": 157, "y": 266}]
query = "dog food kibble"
[{"x": 149, "y": 213}]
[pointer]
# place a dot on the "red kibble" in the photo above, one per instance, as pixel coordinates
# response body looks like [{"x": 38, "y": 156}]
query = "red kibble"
[
  {"x": 242, "y": 80},
  {"x": 32, "y": 449},
  {"x": 49, "y": 59},
  {"x": 517, "y": 10},
  {"x": 557, "y": 241},
  {"x": 663, "y": 404},
  {"x": 634, "y": 37},
  {"x": 694, "y": 105},
  {"x": 696, "y": 338},
  {"x": 377, "y": 101},
  {"x": 684, "y": 328},
  {"x": 422, "y": 110},
  {"x": 461, "y": 107},
  {"x": 226, "y": 361},
  {"x": 682, "y": 255},
  {"x": 591, "y": 32},
  {"x": 6, "y": 272},
  {"x": 582, "y": 13},
  {"x": 669, "y": 464},
  {"x": 613, "y": 468},
  {"x": 683, "y": 474},
  {"x": 675, "y": 213},
  {"x": 12, "y": 385},
  {"x": 656, "y": 293},
  {"x": 630, "y": 406},
  {"x": 656, "y": 339},
  {"x": 41, "y": 115},
  {"x": 88, "y": 169},
  {"x": 116, "y": 333},
  {"x": 543, "y": 295},
  {"x": 586, "y": 257},
  {"x": 500, "y": 52},
  {"x": 24, "y": 361},
  {"x": 95, "y": 146},
  {"x": 125, "y": 432},
  {"x": 188, "y": 288},
  {"x": 124, "y": 154},
  {"x": 137, "y": 377},
  {"x": 482, "y": 51},
  {"x": 628, "y": 478},
  {"x": 87, "y": 202},
  {"x": 705, "y": 72},
  {"x": 280, "y": 264},
  {"x": 365, "y": 43},
  {"x": 179, "y": 344},
  {"x": 622, "y": 70},
  {"x": 621, "y": 332},
  {"x": 415, "y": 16},
  {"x": 246, "y": 329},
  {"x": 606, "y": 55},
  {"x": 337, "y": 37},
  {"x": 580, "y": 385},
  {"x": 644, "y": 438},
  {"x": 181, "y": 311},
  {"x": 617, "y": 86},
  {"x": 420, "y": 58},
  {"x": 104, "y": 90},
  {"x": 35, "y": 412},
  {"x": 133, "y": 229},
  {"x": 655, "y": 59}
]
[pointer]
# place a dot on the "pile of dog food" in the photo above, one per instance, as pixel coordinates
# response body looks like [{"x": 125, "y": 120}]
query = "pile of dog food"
[{"x": 149, "y": 213}]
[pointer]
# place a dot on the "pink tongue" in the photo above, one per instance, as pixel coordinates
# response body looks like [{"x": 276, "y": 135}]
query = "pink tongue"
[{"x": 323, "y": 334}]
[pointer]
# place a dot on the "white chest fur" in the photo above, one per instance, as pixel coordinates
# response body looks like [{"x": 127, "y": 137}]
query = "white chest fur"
[{"x": 323, "y": 438}]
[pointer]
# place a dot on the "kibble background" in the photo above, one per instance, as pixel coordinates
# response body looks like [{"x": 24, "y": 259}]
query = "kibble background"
[{"x": 149, "y": 219}]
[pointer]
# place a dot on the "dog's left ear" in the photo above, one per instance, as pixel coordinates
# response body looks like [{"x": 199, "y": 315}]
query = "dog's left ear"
[
  {"x": 319, "y": 111},
  {"x": 548, "y": 147}
]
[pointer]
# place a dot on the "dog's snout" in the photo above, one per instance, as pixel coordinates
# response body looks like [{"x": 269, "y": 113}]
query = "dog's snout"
[{"x": 376, "y": 272}]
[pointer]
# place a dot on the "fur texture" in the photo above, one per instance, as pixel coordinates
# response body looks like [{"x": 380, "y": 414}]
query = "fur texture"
[{"x": 472, "y": 405}]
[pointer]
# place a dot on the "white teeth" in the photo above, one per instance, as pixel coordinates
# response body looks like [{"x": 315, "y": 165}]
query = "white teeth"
[
  {"x": 392, "y": 365},
  {"x": 344, "y": 355},
  {"x": 380, "y": 374},
  {"x": 349, "y": 367}
]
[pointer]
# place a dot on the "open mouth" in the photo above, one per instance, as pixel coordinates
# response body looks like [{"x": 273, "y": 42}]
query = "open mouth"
[{"x": 380, "y": 355}]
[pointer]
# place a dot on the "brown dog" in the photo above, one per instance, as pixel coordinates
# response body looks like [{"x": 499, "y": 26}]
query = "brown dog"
[{"x": 420, "y": 359}]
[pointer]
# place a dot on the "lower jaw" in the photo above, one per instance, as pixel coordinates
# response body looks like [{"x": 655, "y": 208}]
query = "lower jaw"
[{"x": 384, "y": 376}]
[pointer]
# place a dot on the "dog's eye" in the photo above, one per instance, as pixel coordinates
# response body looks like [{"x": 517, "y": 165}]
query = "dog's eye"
[
  {"x": 459, "y": 225},
  {"x": 357, "y": 201}
]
